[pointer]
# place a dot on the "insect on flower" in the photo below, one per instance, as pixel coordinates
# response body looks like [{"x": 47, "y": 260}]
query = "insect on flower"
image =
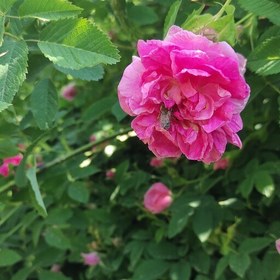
[{"x": 165, "y": 118}]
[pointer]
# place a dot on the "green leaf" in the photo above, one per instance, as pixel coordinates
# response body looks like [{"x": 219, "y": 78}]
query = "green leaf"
[
  {"x": 7, "y": 148},
  {"x": 38, "y": 201},
  {"x": 20, "y": 177},
  {"x": 163, "y": 250},
  {"x": 6, "y": 5},
  {"x": 55, "y": 238},
  {"x": 59, "y": 216},
  {"x": 44, "y": 104},
  {"x": 2, "y": 28},
  {"x": 221, "y": 266},
  {"x": 239, "y": 263},
  {"x": 150, "y": 270},
  {"x": 13, "y": 68},
  {"x": 246, "y": 187},
  {"x": 49, "y": 275},
  {"x": 4, "y": 106},
  {"x": 8, "y": 257},
  {"x": 78, "y": 192},
  {"x": 98, "y": 109},
  {"x": 203, "y": 223},
  {"x": 200, "y": 261},
  {"x": 251, "y": 245},
  {"x": 196, "y": 21},
  {"x": 264, "y": 183},
  {"x": 180, "y": 271},
  {"x": 265, "y": 58},
  {"x": 264, "y": 8},
  {"x": 136, "y": 249},
  {"x": 87, "y": 74},
  {"x": 118, "y": 112},
  {"x": 22, "y": 274},
  {"x": 171, "y": 16},
  {"x": 256, "y": 270},
  {"x": 121, "y": 170},
  {"x": 48, "y": 10},
  {"x": 141, "y": 15},
  {"x": 76, "y": 44},
  {"x": 78, "y": 172},
  {"x": 225, "y": 26},
  {"x": 271, "y": 268},
  {"x": 179, "y": 219}
]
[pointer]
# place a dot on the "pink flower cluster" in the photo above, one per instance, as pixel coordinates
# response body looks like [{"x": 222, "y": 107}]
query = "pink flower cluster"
[
  {"x": 157, "y": 198},
  {"x": 186, "y": 93},
  {"x": 15, "y": 161}
]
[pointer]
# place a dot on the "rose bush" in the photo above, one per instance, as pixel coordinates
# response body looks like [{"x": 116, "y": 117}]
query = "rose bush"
[
  {"x": 187, "y": 94},
  {"x": 81, "y": 184}
]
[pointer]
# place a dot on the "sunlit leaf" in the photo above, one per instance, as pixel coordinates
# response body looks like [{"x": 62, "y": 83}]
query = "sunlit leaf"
[
  {"x": 76, "y": 44},
  {"x": 13, "y": 67},
  {"x": 51, "y": 9}
]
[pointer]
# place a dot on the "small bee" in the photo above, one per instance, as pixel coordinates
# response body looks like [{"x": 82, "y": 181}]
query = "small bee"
[{"x": 165, "y": 118}]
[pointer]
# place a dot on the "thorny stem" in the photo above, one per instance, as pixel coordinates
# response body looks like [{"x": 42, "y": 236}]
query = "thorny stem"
[
  {"x": 61, "y": 159},
  {"x": 84, "y": 148}
]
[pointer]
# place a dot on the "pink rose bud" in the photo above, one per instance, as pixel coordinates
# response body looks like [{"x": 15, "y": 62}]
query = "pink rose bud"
[
  {"x": 110, "y": 174},
  {"x": 56, "y": 268},
  {"x": 222, "y": 163},
  {"x": 157, "y": 198},
  {"x": 69, "y": 92},
  {"x": 4, "y": 170},
  {"x": 21, "y": 147},
  {"x": 15, "y": 160},
  {"x": 91, "y": 259},
  {"x": 156, "y": 162},
  {"x": 92, "y": 138},
  {"x": 277, "y": 245},
  {"x": 186, "y": 94}
]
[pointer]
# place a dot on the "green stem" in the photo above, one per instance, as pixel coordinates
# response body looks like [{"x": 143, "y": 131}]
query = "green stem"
[
  {"x": 244, "y": 19},
  {"x": 84, "y": 148},
  {"x": 61, "y": 159},
  {"x": 220, "y": 13}
]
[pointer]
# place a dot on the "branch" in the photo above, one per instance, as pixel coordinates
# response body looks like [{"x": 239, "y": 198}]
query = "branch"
[{"x": 61, "y": 159}]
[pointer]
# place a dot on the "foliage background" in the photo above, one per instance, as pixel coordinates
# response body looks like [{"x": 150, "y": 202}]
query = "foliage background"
[{"x": 222, "y": 224}]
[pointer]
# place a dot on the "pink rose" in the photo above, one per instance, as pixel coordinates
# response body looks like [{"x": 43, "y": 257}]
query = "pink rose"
[
  {"x": 156, "y": 162},
  {"x": 222, "y": 163},
  {"x": 186, "y": 93},
  {"x": 69, "y": 92},
  {"x": 157, "y": 198},
  {"x": 91, "y": 259},
  {"x": 277, "y": 245}
]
